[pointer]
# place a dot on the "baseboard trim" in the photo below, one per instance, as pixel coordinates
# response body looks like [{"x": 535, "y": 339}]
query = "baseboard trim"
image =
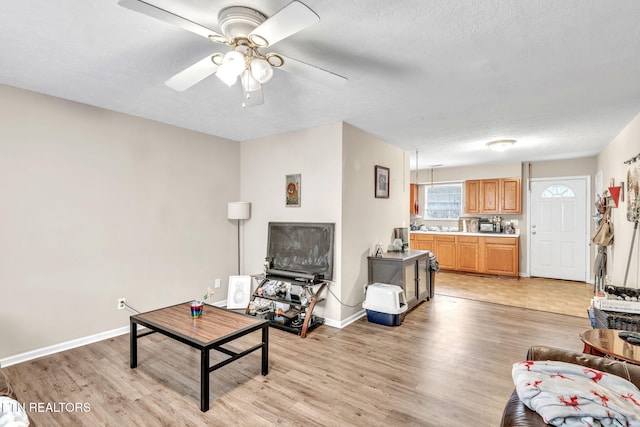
[
  {"x": 79, "y": 342},
  {"x": 346, "y": 322},
  {"x": 56, "y": 348}
]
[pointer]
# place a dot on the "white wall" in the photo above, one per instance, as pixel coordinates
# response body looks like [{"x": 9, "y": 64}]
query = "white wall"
[
  {"x": 314, "y": 153},
  {"x": 611, "y": 163},
  {"x": 96, "y": 205},
  {"x": 365, "y": 219},
  {"x": 337, "y": 166}
]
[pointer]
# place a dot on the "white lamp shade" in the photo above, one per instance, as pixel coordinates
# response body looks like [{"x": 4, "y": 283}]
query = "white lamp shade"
[
  {"x": 235, "y": 61},
  {"x": 233, "y": 64},
  {"x": 239, "y": 210},
  {"x": 249, "y": 84},
  {"x": 261, "y": 70},
  {"x": 226, "y": 74}
]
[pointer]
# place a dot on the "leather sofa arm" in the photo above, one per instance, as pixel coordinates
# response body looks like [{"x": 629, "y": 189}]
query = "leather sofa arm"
[
  {"x": 625, "y": 370},
  {"x": 5, "y": 386},
  {"x": 516, "y": 414}
]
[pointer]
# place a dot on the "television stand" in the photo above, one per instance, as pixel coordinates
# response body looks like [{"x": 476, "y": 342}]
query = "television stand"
[{"x": 287, "y": 303}]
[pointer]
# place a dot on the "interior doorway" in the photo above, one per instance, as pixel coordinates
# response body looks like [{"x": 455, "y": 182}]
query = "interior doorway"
[{"x": 558, "y": 231}]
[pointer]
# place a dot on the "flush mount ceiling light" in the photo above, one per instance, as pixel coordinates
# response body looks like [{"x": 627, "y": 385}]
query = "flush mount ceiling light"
[
  {"x": 501, "y": 144},
  {"x": 247, "y": 31}
]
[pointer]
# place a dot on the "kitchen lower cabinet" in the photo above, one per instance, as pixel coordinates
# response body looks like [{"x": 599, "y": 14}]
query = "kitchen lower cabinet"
[
  {"x": 468, "y": 253},
  {"x": 472, "y": 252},
  {"x": 423, "y": 242},
  {"x": 409, "y": 270},
  {"x": 502, "y": 256},
  {"x": 445, "y": 251}
]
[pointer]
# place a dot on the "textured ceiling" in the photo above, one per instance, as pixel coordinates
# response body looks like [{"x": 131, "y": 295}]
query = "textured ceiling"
[{"x": 442, "y": 77}]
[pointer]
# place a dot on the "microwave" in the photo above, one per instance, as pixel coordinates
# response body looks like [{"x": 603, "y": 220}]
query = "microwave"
[{"x": 489, "y": 227}]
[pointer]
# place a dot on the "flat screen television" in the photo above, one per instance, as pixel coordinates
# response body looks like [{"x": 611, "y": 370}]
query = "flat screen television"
[{"x": 302, "y": 247}]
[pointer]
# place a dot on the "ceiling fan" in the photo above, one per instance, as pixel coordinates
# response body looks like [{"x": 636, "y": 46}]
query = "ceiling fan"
[{"x": 247, "y": 31}]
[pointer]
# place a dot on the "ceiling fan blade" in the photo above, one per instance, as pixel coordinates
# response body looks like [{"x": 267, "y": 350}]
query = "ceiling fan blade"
[
  {"x": 312, "y": 72},
  {"x": 287, "y": 21},
  {"x": 166, "y": 16},
  {"x": 252, "y": 98},
  {"x": 192, "y": 75}
]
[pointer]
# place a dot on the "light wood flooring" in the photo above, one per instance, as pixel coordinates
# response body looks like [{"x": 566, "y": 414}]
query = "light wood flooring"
[
  {"x": 448, "y": 364},
  {"x": 556, "y": 296}
]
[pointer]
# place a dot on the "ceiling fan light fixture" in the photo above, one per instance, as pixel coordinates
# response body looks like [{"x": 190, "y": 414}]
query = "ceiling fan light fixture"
[
  {"x": 227, "y": 75},
  {"x": 261, "y": 70},
  {"x": 234, "y": 60},
  {"x": 246, "y": 31},
  {"x": 249, "y": 83},
  {"x": 232, "y": 66},
  {"x": 501, "y": 144}
]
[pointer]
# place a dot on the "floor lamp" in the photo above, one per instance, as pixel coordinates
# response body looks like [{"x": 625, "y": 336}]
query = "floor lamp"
[{"x": 239, "y": 211}]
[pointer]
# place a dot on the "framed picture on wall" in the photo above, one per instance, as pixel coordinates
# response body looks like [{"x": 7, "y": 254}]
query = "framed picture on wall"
[
  {"x": 293, "y": 190},
  {"x": 382, "y": 182}
]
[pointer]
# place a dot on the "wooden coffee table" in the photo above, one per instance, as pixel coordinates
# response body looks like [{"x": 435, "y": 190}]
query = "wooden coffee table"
[
  {"x": 216, "y": 327},
  {"x": 606, "y": 342}
]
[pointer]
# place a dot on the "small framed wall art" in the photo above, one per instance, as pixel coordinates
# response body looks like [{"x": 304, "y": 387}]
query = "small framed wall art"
[
  {"x": 293, "y": 190},
  {"x": 382, "y": 182}
]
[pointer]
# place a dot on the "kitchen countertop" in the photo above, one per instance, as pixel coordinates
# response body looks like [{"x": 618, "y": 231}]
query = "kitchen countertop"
[
  {"x": 404, "y": 256},
  {"x": 462, "y": 233}
]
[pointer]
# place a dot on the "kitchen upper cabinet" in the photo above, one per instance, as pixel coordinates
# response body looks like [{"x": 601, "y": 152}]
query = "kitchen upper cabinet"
[
  {"x": 511, "y": 200},
  {"x": 493, "y": 196},
  {"x": 472, "y": 196},
  {"x": 489, "y": 196}
]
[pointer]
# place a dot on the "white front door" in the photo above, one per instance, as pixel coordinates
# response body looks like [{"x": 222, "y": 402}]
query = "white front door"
[{"x": 558, "y": 229}]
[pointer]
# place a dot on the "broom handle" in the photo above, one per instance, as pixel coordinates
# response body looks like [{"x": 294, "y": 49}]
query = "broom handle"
[{"x": 633, "y": 239}]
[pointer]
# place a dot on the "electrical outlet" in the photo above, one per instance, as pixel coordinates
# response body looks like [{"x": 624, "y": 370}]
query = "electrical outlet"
[
  {"x": 121, "y": 304},
  {"x": 217, "y": 283}
]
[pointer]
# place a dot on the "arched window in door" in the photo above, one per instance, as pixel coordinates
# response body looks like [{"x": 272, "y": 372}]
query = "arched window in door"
[{"x": 557, "y": 191}]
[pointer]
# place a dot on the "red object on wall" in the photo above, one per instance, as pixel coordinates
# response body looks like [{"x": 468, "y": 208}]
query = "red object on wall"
[{"x": 615, "y": 194}]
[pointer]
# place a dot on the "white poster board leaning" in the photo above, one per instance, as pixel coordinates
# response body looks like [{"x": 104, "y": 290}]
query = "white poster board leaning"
[{"x": 239, "y": 292}]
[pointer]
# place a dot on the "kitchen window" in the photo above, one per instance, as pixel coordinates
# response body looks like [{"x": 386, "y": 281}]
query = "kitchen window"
[{"x": 443, "y": 201}]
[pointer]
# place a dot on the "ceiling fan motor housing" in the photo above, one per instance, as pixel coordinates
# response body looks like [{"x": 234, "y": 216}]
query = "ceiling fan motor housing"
[{"x": 239, "y": 21}]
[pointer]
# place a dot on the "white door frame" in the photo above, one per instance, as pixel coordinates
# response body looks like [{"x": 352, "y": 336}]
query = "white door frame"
[{"x": 587, "y": 178}]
